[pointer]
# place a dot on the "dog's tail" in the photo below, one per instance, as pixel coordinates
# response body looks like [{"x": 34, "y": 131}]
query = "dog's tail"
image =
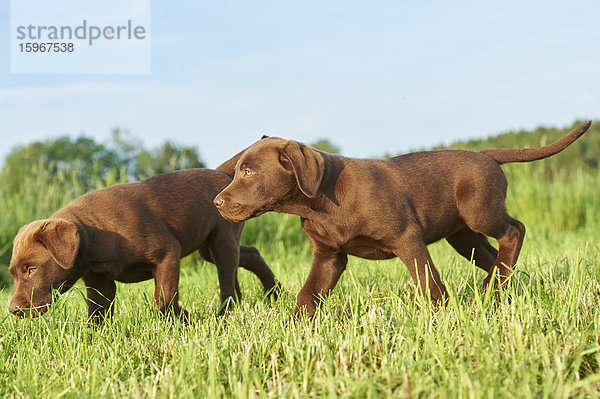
[{"x": 507, "y": 155}]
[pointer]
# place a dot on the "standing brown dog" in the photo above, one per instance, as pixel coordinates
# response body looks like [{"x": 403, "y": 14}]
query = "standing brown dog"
[
  {"x": 384, "y": 208},
  {"x": 131, "y": 232}
]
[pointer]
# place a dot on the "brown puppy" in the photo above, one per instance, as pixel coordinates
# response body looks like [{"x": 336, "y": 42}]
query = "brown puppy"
[
  {"x": 131, "y": 232},
  {"x": 384, "y": 208}
]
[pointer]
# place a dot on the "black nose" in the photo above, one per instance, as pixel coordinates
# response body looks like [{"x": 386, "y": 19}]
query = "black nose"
[{"x": 218, "y": 201}]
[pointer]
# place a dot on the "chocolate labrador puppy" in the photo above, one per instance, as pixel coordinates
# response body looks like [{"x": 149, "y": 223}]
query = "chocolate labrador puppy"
[
  {"x": 131, "y": 232},
  {"x": 384, "y": 208}
]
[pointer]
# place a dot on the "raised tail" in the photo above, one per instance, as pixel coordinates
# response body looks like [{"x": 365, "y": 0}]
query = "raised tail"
[{"x": 507, "y": 155}]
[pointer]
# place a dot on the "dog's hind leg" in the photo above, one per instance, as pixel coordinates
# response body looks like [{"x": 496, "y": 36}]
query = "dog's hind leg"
[
  {"x": 250, "y": 259},
  {"x": 225, "y": 253},
  {"x": 509, "y": 233},
  {"x": 166, "y": 283},
  {"x": 480, "y": 203},
  {"x": 474, "y": 246},
  {"x": 238, "y": 290},
  {"x": 510, "y": 241},
  {"x": 100, "y": 296},
  {"x": 204, "y": 253}
]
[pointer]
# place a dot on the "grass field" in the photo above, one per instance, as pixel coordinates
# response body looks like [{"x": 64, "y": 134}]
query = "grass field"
[{"x": 374, "y": 336}]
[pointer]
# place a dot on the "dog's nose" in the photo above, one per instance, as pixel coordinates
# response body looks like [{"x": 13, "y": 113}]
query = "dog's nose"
[
  {"x": 218, "y": 201},
  {"x": 14, "y": 309}
]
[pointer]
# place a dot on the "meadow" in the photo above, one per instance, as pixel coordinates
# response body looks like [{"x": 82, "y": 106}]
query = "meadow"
[{"x": 374, "y": 337}]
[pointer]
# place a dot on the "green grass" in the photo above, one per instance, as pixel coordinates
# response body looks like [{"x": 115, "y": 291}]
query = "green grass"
[{"x": 374, "y": 337}]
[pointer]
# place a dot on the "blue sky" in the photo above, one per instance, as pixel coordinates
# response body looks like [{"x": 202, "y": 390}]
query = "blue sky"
[{"x": 373, "y": 77}]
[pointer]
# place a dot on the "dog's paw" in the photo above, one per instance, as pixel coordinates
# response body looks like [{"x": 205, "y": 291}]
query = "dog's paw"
[
  {"x": 273, "y": 293},
  {"x": 226, "y": 307}
]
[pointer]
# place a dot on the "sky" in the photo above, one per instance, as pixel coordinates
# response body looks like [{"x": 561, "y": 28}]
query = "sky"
[{"x": 372, "y": 77}]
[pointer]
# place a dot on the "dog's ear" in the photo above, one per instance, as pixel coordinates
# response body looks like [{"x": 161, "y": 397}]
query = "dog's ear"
[
  {"x": 307, "y": 164},
  {"x": 61, "y": 238},
  {"x": 264, "y": 137},
  {"x": 228, "y": 167}
]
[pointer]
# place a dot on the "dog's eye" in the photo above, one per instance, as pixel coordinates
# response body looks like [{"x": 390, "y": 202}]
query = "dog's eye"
[
  {"x": 248, "y": 172},
  {"x": 31, "y": 270}
]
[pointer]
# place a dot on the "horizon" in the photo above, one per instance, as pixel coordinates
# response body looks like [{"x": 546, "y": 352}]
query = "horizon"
[{"x": 386, "y": 154}]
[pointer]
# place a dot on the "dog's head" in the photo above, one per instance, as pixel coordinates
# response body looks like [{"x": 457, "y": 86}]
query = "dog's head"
[
  {"x": 43, "y": 258},
  {"x": 270, "y": 173}
]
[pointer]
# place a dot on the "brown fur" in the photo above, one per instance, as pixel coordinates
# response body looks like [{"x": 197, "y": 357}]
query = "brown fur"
[
  {"x": 131, "y": 232},
  {"x": 384, "y": 208}
]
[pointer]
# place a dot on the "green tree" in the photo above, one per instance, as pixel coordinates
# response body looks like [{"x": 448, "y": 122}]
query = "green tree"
[
  {"x": 124, "y": 157},
  {"x": 141, "y": 163},
  {"x": 584, "y": 152},
  {"x": 166, "y": 158},
  {"x": 326, "y": 146},
  {"x": 83, "y": 154}
]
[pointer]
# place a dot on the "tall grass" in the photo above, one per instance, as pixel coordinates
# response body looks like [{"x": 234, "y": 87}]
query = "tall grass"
[
  {"x": 567, "y": 200},
  {"x": 559, "y": 203},
  {"x": 374, "y": 337}
]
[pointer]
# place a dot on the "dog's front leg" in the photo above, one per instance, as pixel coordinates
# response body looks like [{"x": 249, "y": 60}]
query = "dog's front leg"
[
  {"x": 326, "y": 269},
  {"x": 413, "y": 252},
  {"x": 100, "y": 296}
]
